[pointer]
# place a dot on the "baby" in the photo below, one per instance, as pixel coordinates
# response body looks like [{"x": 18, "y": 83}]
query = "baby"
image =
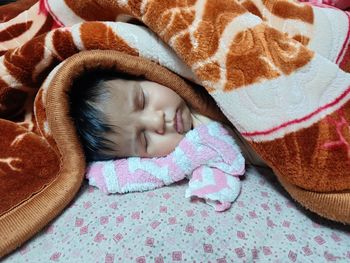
[
  {"x": 118, "y": 116},
  {"x": 157, "y": 138}
]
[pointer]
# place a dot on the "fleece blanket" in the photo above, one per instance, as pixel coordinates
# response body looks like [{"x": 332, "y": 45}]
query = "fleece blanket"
[{"x": 276, "y": 68}]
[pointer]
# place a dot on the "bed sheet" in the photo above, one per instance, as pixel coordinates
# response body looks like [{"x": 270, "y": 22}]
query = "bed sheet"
[{"x": 263, "y": 225}]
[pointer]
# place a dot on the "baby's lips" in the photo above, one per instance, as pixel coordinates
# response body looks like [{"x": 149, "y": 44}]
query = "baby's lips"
[{"x": 174, "y": 122}]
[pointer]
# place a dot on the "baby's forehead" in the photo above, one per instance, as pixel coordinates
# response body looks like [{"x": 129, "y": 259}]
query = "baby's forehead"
[
  {"x": 119, "y": 95},
  {"x": 119, "y": 83}
]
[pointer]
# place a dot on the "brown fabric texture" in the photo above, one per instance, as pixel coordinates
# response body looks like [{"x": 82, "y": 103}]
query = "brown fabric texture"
[
  {"x": 301, "y": 171},
  {"x": 11, "y": 10},
  {"x": 227, "y": 48},
  {"x": 40, "y": 169},
  {"x": 29, "y": 216},
  {"x": 333, "y": 205}
]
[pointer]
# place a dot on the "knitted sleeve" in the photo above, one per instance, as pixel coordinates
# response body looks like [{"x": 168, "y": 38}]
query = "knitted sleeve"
[{"x": 207, "y": 155}]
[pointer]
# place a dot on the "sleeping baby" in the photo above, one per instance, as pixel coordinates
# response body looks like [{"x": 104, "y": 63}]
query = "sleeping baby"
[{"x": 139, "y": 135}]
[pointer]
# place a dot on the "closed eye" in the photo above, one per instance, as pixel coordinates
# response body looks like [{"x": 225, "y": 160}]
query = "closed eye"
[
  {"x": 138, "y": 98},
  {"x": 143, "y": 99},
  {"x": 145, "y": 141}
]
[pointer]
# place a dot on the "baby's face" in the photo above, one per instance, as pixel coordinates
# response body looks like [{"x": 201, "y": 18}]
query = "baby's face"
[{"x": 151, "y": 119}]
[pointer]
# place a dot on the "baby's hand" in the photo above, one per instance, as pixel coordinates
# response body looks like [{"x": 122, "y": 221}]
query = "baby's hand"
[{"x": 217, "y": 188}]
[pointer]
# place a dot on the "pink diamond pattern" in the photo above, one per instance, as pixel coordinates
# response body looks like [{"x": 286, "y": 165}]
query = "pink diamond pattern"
[
  {"x": 135, "y": 215},
  {"x": 239, "y": 218},
  {"x": 252, "y": 214},
  {"x": 286, "y": 223},
  {"x": 330, "y": 257},
  {"x": 189, "y": 228},
  {"x": 267, "y": 251},
  {"x": 255, "y": 253},
  {"x": 87, "y": 205},
  {"x": 265, "y": 206},
  {"x": 240, "y": 252},
  {"x": 177, "y": 256},
  {"x": 335, "y": 237},
  {"x": 109, "y": 258},
  {"x": 292, "y": 256},
  {"x": 278, "y": 207},
  {"x": 291, "y": 237},
  {"x": 55, "y": 256},
  {"x": 319, "y": 240},
  {"x": 172, "y": 220},
  {"x": 113, "y": 205},
  {"x": 104, "y": 220},
  {"x": 163, "y": 209},
  {"x": 204, "y": 213},
  {"x": 155, "y": 224},
  {"x": 189, "y": 213},
  {"x": 159, "y": 259},
  {"x": 166, "y": 196},
  {"x": 208, "y": 248},
  {"x": 119, "y": 219},
  {"x": 79, "y": 222},
  {"x": 84, "y": 230},
  {"x": 210, "y": 230},
  {"x": 264, "y": 194},
  {"x": 241, "y": 235},
  {"x": 307, "y": 251},
  {"x": 240, "y": 203},
  {"x": 149, "y": 241},
  {"x": 118, "y": 237}
]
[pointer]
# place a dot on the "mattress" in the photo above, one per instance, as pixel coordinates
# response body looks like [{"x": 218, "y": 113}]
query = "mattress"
[{"x": 263, "y": 225}]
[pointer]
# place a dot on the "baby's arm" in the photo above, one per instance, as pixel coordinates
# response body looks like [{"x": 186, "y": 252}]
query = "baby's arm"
[
  {"x": 207, "y": 152},
  {"x": 248, "y": 152},
  {"x": 133, "y": 174}
]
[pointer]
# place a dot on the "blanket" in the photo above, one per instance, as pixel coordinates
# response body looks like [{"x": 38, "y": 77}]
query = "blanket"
[
  {"x": 277, "y": 69},
  {"x": 208, "y": 156},
  {"x": 341, "y": 4}
]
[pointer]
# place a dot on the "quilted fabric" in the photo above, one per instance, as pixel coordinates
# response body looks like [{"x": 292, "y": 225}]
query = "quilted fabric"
[{"x": 263, "y": 225}]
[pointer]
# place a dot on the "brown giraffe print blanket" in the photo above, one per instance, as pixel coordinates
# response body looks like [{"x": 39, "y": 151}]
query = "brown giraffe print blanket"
[{"x": 277, "y": 69}]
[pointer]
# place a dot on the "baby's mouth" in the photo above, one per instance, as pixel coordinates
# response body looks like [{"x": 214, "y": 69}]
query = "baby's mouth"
[{"x": 178, "y": 122}]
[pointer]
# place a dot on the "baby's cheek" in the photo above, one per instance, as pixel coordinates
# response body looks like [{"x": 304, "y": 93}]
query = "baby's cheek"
[{"x": 162, "y": 145}]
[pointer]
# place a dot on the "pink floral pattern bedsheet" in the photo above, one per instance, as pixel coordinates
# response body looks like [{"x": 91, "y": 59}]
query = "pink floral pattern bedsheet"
[{"x": 263, "y": 225}]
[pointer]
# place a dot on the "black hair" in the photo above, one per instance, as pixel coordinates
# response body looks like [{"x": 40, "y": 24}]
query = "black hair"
[{"x": 86, "y": 94}]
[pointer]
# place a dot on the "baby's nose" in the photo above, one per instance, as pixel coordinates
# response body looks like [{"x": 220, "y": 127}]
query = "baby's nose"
[{"x": 156, "y": 122}]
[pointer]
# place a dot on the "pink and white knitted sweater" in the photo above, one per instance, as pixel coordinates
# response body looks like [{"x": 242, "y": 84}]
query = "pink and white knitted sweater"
[{"x": 208, "y": 156}]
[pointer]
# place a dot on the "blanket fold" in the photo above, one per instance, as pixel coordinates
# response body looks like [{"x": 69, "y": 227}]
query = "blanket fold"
[{"x": 277, "y": 70}]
